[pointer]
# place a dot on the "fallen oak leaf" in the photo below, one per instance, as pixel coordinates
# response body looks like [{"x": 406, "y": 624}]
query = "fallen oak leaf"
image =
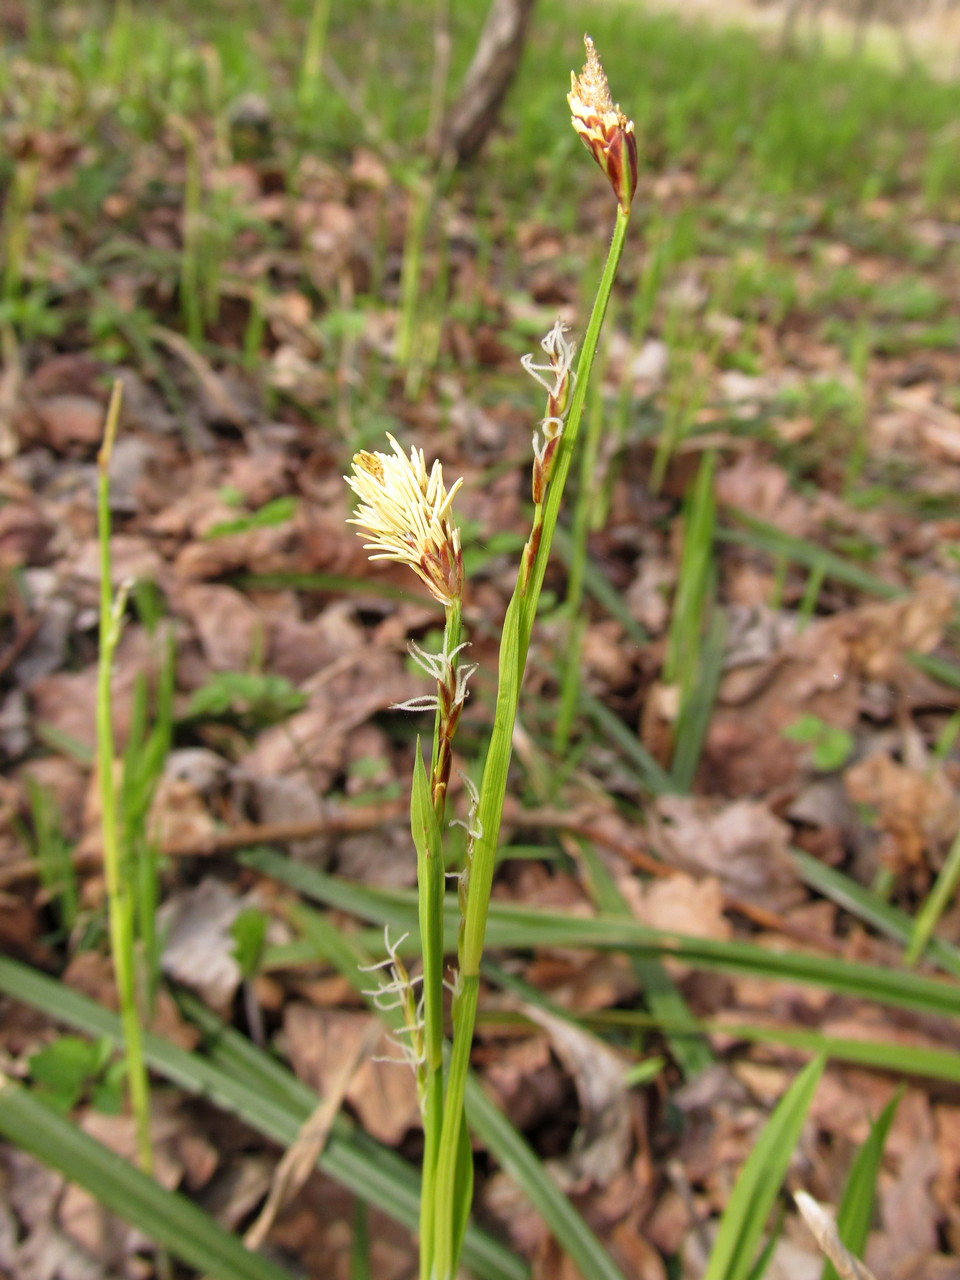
[{"x": 601, "y": 1145}]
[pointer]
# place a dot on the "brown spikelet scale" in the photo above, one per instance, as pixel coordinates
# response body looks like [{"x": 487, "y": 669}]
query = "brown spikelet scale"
[{"x": 604, "y": 129}]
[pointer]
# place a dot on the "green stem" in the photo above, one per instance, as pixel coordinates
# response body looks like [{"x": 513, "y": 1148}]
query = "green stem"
[
  {"x": 576, "y": 619},
  {"x": 517, "y": 630},
  {"x": 431, "y": 877},
  {"x": 120, "y": 899},
  {"x": 561, "y": 467}
]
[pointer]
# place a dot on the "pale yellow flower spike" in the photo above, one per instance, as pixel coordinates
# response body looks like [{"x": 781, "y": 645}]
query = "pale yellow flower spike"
[{"x": 406, "y": 512}]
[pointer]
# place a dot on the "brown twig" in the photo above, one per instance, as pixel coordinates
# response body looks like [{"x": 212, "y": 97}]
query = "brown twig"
[
  {"x": 342, "y": 821},
  {"x": 336, "y": 821}
]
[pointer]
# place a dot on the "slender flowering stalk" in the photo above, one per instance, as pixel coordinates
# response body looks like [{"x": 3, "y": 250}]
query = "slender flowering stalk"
[
  {"x": 407, "y": 512},
  {"x": 447, "y": 702},
  {"x": 610, "y": 138},
  {"x": 556, "y": 377},
  {"x": 397, "y": 992}
]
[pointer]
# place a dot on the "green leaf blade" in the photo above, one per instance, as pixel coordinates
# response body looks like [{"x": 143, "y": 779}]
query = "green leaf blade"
[{"x": 758, "y": 1185}]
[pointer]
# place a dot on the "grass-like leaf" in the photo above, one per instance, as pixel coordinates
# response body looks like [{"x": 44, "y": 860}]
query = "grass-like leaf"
[
  {"x": 245, "y": 1081},
  {"x": 514, "y": 926},
  {"x": 935, "y": 904},
  {"x": 767, "y": 537},
  {"x": 660, "y": 992},
  {"x": 487, "y": 1122},
  {"x": 167, "y": 1218},
  {"x": 872, "y": 909},
  {"x": 746, "y": 1214},
  {"x": 856, "y": 1207}
]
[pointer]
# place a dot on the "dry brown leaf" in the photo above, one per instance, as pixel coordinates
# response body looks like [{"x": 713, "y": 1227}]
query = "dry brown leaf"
[
  {"x": 300, "y": 1158},
  {"x": 745, "y": 752},
  {"x": 362, "y": 682},
  {"x": 763, "y": 489},
  {"x": 132, "y": 559},
  {"x": 274, "y": 549},
  {"x": 669, "y": 1221},
  {"x": 25, "y": 533},
  {"x": 179, "y": 814},
  {"x": 237, "y": 1189},
  {"x": 67, "y": 701},
  {"x": 70, "y": 419},
  {"x": 83, "y": 1218},
  {"x": 527, "y": 1083},
  {"x": 502, "y": 1201},
  {"x": 297, "y": 647},
  {"x": 384, "y": 1093},
  {"x": 919, "y": 811},
  {"x": 882, "y": 634},
  {"x": 229, "y": 626},
  {"x": 680, "y": 904},
  {"x": 198, "y": 947},
  {"x": 741, "y": 843},
  {"x": 551, "y": 1263},
  {"x": 602, "y": 1141},
  {"x": 908, "y": 1211},
  {"x": 218, "y": 392},
  {"x": 199, "y": 1157},
  {"x": 599, "y": 982}
]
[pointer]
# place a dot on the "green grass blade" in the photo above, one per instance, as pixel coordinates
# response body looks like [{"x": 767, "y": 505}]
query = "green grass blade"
[
  {"x": 167, "y": 1218},
  {"x": 759, "y": 1269},
  {"x": 856, "y": 1207},
  {"x": 758, "y": 1185},
  {"x": 225, "y": 1048},
  {"x": 936, "y": 903},
  {"x": 654, "y": 777},
  {"x": 524, "y": 1166},
  {"x": 940, "y": 669},
  {"x": 372, "y": 1172},
  {"x": 693, "y": 578},
  {"x": 695, "y": 720},
  {"x": 897, "y": 1059},
  {"x": 487, "y": 1122},
  {"x": 890, "y": 1056},
  {"x": 660, "y": 993},
  {"x": 767, "y": 537},
  {"x": 871, "y": 908},
  {"x": 516, "y": 926},
  {"x": 360, "y": 1268}
]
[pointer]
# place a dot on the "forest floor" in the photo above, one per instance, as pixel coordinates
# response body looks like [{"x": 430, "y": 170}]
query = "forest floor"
[{"x": 743, "y": 734}]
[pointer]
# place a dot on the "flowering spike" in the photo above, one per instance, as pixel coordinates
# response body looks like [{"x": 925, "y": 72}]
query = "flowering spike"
[
  {"x": 406, "y": 511},
  {"x": 605, "y": 130},
  {"x": 556, "y": 377}
]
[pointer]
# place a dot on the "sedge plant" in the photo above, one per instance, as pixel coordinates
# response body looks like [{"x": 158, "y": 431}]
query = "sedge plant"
[
  {"x": 120, "y": 891},
  {"x": 406, "y": 511}
]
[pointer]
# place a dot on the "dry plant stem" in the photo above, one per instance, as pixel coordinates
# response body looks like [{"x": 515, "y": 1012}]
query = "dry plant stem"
[
  {"x": 824, "y": 1230},
  {"x": 517, "y": 629},
  {"x": 120, "y": 899}
]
